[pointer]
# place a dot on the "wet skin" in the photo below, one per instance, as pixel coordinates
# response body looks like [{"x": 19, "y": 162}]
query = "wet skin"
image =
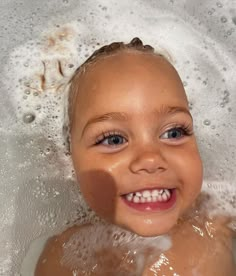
[{"x": 138, "y": 100}]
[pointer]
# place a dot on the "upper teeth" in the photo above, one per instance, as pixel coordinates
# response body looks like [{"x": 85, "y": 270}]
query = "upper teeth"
[{"x": 149, "y": 196}]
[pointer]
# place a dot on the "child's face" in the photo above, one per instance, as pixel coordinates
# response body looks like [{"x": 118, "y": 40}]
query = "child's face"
[{"x": 138, "y": 100}]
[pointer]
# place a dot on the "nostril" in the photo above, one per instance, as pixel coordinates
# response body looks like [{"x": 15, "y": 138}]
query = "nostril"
[
  {"x": 149, "y": 167},
  {"x": 148, "y": 161}
]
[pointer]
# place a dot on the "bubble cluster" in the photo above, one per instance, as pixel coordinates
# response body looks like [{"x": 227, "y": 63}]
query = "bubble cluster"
[
  {"x": 225, "y": 99},
  {"x": 87, "y": 249},
  {"x": 48, "y": 218},
  {"x": 43, "y": 192}
]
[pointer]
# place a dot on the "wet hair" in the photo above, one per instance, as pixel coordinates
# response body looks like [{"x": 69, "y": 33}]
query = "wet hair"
[{"x": 134, "y": 44}]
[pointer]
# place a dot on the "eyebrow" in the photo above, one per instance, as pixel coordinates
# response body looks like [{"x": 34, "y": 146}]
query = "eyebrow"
[{"x": 122, "y": 116}]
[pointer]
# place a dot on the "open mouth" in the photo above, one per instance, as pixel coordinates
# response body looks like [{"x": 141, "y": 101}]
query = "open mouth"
[{"x": 151, "y": 199}]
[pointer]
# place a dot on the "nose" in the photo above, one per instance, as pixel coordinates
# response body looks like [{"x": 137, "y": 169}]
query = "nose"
[{"x": 149, "y": 162}]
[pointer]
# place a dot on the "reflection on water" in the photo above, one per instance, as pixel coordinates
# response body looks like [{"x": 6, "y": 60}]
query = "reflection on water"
[{"x": 234, "y": 249}]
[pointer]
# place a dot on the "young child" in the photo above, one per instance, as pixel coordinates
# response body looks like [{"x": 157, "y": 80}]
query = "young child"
[{"x": 138, "y": 167}]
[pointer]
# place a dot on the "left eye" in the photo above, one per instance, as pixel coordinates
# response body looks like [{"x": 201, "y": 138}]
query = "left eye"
[
  {"x": 173, "y": 133},
  {"x": 113, "y": 140}
]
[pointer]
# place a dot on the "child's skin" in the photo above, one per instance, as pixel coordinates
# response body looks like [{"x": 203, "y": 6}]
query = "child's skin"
[{"x": 138, "y": 100}]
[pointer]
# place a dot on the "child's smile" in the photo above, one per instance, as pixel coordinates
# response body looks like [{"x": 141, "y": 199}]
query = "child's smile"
[
  {"x": 132, "y": 141},
  {"x": 152, "y": 199}
]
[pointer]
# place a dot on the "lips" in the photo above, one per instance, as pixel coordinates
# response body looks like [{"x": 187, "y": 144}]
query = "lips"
[{"x": 151, "y": 199}]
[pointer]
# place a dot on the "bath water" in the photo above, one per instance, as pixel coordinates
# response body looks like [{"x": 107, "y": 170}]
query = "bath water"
[{"x": 42, "y": 43}]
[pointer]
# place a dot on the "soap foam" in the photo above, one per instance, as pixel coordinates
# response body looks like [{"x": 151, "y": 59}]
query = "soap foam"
[
  {"x": 37, "y": 165},
  {"x": 125, "y": 253}
]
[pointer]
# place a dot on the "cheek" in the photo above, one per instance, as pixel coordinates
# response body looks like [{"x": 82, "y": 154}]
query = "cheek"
[
  {"x": 97, "y": 186},
  {"x": 99, "y": 191},
  {"x": 195, "y": 170},
  {"x": 187, "y": 165}
]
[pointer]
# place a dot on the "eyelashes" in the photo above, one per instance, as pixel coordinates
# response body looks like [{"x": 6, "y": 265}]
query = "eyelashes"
[
  {"x": 186, "y": 128},
  {"x": 113, "y": 138},
  {"x": 107, "y": 135}
]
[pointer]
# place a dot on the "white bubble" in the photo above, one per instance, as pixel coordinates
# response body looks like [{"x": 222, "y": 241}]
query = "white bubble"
[
  {"x": 207, "y": 122},
  {"x": 27, "y": 92},
  {"x": 28, "y": 118},
  {"x": 234, "y": 20},
  {"x": 38, "y": 107},
  {"x": 223, "y": 19}
]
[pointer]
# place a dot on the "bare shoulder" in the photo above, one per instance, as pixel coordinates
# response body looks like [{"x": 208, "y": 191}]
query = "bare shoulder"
[
  {"x": 49, "y": 262},
  {"x": 200, "y": 245}
]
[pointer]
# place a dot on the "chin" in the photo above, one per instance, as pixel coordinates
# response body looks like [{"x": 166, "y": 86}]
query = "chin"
[
  {"x": 152, "y": 232},
  {"x": 149, "y": 229}
]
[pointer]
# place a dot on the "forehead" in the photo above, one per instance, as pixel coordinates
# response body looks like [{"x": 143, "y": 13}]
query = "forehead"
[
  {"x": 128, "y": 62},
  {"x": 128, "y": 74}
]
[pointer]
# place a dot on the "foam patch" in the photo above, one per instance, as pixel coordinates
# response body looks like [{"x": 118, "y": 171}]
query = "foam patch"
[
  {"x": 87, "y": 251},
  {"x": 43, "y": 42}
]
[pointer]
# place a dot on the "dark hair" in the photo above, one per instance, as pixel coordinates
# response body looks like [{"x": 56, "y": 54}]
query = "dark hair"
[{"x": 114, "y": 47}]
